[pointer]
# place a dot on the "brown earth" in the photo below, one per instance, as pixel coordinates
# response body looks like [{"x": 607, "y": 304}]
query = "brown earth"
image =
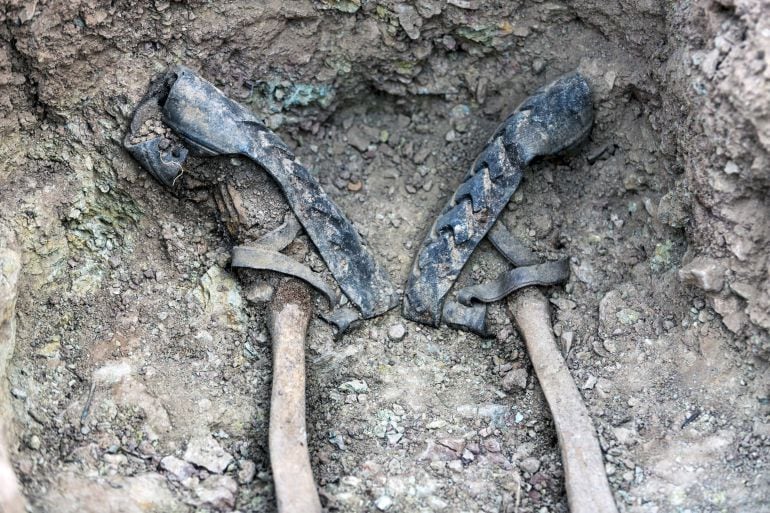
[{"x": 140, "y": 375}]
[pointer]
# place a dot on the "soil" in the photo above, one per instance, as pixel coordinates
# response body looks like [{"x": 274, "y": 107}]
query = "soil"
[{"x": 141, "y": 370}]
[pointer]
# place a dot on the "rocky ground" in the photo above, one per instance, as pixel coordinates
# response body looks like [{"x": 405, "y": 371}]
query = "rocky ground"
[{"x": 140, "y": 375}]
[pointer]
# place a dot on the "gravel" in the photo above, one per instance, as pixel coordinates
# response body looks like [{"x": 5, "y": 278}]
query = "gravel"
[
  {"x": 383, "y": 503},
  {"x": 397, "y": 332}
]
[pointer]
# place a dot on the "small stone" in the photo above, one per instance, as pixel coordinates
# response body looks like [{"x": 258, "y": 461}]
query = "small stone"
[
  {"x": 455, "y": 444},
  {"x": 735, "y": 321},
  {"x": 450, "y": 136},
  {"x": 355, "y": 186},
  {"x": 731, "y": 168},
  {"x": 481, "y": 90},
  {"x": 437, "y": 452},
  {"x": 563, "y": 303},
  {"x": 419, "y": 157},
  {"x": 590, "y": 382},
  {"x": 625, "y": 436},
  {"x": 438, "y": 465},
  {"x": 260, "y": 292},
  {"x": 217, "y": 492},
  {"x": 177, "y": 468},
  {"x": 429, "y": 8},
  {"x": 351, "y": 481},
  {"x": 394, "y": 438},
  {"x": 146, "y": 448},
  {"x": 705, "y": 273},
  {"x": 383, "y": 503},
  {"x": 530, "y": 465},
  {"x": 247, "y": 471},
  {"x": 515, "y": 379},
  {"x": 745, "y": 290},
  {"x": 337, "y": 440},
  {"x": 634, "y": 181},
  {"x": 650, "y": 207},
  {"x": 207, "y": 453},
  {"x": 115, "y": 460},
  {"x": 627, "y": 316},
  {"x": 220, "y": 297},
  {"x": 538, "y": 66},
  {"x": 396, "y": 332},
  {"x": 358, "y": 139},
  {"x": 356, "y": 386},
  {"x": 460, "y": 116},
  {"x": 610, "y": 346},
  {"x": 491, "y": 411},
  {"x": 672, "y": 209},
  {"x": 436, "y": 504},
  {"x": 455, "y": 465},
  {"x": 18, "y": 393},
  {"x": 34, "y": 442},
  {"x": 26, "y": 466},
  {"x": 492, "y": 445},
  {"x": 409, "y": 20}
]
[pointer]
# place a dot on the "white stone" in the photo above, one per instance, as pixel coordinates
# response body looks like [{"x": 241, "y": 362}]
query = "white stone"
[
  {"x": 397, "y": 332},
  {"x": 530, "y": 465},
  {"x": 207, "y": 453},
  {"x": 383, "y": 503},
  {"x": 177, "y": 468},
  {"x": 356, "y": 386},
  {"x": 705, "y": 273}
]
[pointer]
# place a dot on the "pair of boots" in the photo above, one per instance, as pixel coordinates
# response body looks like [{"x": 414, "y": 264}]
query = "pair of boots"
[{"x": 555, "y": 118}]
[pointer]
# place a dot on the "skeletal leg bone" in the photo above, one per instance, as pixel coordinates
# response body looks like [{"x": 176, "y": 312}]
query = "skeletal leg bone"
[
  {"x": 290, "y": 313},
  {"x": 11, "y": 500},
  {"x": 588, "y": 490}
]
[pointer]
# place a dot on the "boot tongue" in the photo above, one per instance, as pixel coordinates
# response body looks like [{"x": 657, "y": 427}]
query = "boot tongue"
[{"x": 202, "y": 114}]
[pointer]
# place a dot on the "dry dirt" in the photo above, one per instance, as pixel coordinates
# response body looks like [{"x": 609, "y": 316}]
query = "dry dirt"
[{"x": 140, "y": 375}]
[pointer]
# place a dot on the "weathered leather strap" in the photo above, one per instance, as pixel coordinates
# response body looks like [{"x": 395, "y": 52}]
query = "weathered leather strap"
[
  {"x": 269, "y": 260},
  {"x": 549, "y": 273}
]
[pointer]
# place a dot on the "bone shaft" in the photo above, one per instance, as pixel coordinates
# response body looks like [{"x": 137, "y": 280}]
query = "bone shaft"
[
  {"x": 588, "y": 490},
  {"x": 11, "y": 499},
  {"x": 295, "y": 488}
]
